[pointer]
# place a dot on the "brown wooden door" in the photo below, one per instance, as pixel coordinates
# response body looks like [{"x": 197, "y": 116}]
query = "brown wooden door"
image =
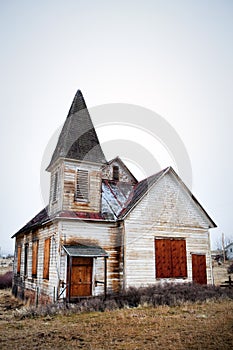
[
  {"x": 81, "y": 277},
  {"x": 199, "y": 268}
]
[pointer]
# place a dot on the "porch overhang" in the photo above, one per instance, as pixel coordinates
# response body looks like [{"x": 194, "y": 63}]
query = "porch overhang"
[{"x": 80, "y": 250}]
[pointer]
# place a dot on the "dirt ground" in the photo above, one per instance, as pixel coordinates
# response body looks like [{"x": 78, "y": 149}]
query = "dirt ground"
[{"x": 190, "y": 326}]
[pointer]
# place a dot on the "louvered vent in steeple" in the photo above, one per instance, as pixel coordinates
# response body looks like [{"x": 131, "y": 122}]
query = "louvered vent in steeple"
[{"x": 82, "y": 185}]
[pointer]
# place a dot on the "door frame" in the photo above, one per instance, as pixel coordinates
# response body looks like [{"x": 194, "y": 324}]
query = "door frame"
[
  {"x": 83, "y": 251},
  {"x": 69, "y": 259}
]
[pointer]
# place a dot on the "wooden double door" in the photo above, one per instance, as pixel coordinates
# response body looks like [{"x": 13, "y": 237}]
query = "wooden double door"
[
  {"x": 80, "y": 276},
  {"x": 199, "y": 268}
]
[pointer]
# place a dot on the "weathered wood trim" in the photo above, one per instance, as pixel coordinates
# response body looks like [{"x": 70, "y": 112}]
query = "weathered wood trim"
[
  {"x": 35, "y": 247},
  {"x": 19, "y": 253},
  {"x": 47, "y": 244}
]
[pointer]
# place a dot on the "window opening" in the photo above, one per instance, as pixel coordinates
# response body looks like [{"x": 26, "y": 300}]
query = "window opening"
[{"x": 115, "y": 173}]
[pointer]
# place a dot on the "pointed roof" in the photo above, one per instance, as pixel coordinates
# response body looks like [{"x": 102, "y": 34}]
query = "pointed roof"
[
  {"x": 78, "y": 139},
  {"x": 142, "y": 188},
  {"x": 118, "y": 160}
]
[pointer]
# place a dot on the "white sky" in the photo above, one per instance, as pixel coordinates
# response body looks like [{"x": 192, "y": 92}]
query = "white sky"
[{"x": 173, "y": 57}]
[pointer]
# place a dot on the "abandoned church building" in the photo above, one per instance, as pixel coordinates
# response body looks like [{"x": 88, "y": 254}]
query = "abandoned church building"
[{"x": 102, "y": 230}]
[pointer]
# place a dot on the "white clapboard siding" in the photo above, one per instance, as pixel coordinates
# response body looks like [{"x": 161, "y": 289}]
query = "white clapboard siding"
[
  {"x": 56, "y": 184},
  {"x": 167, "y": 211},
  {"x": 46, "y": 287},
  {"x": 92, "y": 191},
  {"x": 66, "y": 198},
  {"x": 107, "y": 236}
]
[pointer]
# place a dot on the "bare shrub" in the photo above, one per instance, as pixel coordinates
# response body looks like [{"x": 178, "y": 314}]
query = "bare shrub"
[
  {"x": 154, "y": 295},
  {"x": 175, "y": 294},
  {"x": 6, "y": 280},
  {"x": 169, "y": 294},
  {"x": 128, "y": 298}
]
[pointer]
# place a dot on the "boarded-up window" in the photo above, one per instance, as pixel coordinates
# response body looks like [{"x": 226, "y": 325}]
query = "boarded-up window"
[
  {"x": 170, "y": 258},
  {"x": 82, "y": 185},
  {"x": 55, "y": 187},
  {"x": 46, "y": 258},
  {"x": 115, "y": 173},
  {"x": 35, "y": 245},
  {"x": 19, "y": 250},
  {"x": 26, "y": 259}
]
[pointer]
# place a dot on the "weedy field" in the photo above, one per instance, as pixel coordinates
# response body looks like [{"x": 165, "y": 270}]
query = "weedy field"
[{"x": 199, "y": 325}]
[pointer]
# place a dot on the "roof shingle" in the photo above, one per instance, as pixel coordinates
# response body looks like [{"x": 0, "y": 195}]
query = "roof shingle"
[
  {"x": 35, "y": 222},
  {"x": 139, "y": 190},
  {"x": 78, "y": 139}
]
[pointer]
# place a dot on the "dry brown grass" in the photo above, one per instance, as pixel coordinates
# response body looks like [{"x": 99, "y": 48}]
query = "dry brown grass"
[{"x": 189, "y": 326}]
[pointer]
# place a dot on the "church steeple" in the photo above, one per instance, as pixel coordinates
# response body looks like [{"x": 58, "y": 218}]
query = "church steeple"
[
  {"x": 78, "y": 103},
  {"x": 78, "y": 139}
]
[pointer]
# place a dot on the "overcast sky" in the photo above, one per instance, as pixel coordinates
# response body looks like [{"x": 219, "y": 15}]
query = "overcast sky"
[{"x": 172, "y": 57}]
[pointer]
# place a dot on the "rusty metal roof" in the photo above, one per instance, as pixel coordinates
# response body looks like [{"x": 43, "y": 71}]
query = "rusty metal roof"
[
  {"x": 80, "y": 215},
  {"x": 78, "y": 139},
  {"x": 81, "y": 250},
  {"x": 114, "y": 197},
  {"x": 36, "y": 222},
  {"x": 42, "y": 217}
]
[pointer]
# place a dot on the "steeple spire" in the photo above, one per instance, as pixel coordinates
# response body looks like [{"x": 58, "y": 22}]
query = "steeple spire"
[
  {"x": 78, "y": 103},
  {"x": 78, "y": 139}
]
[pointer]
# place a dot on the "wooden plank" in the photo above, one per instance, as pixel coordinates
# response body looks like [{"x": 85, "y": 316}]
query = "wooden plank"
[
  {"x": 163, "y": 258},
  {"x": 35, "y": 245},
  {"x": 179, "y": 263},
  {"x": 19, "y": 251},
  {"x": 26, "y": 259},
  {"x": 46, "y": 258}
]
